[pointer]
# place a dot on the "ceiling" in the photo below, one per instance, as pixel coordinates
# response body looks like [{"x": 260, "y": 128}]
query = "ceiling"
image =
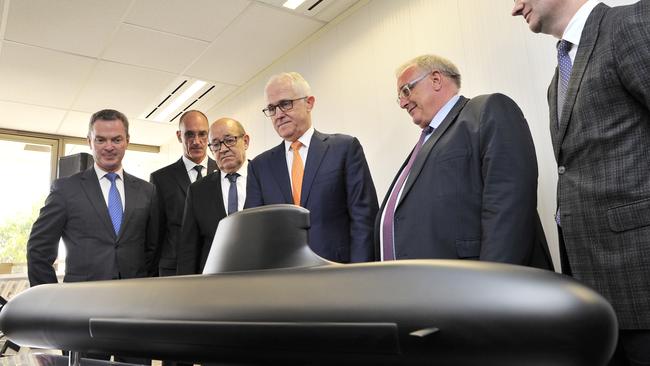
[{"x": 61, "y": 61}]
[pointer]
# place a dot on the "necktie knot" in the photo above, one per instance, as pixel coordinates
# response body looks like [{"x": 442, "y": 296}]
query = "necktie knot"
[
  {"x": 427, "y": 130},
  {"x": 198, "y": 169},
  {"x": 296, "y": 145},
  {"x": 232, "y": 177},
  {"x": 563, "y": 47},
  {"x": 111, "y": 176}
]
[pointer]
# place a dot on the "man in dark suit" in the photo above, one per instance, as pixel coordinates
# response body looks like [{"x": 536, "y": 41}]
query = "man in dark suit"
[
  {"x": 172, "y": 181},
  {"x": 106, "y": 217},
  {"x": 325, "y": 173},
  {"x": 212, "y": 198},
  {"x": 468, "y": 190},
  {"x": 599, "y": 102}
]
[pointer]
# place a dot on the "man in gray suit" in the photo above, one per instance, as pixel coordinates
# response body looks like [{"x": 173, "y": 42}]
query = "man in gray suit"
[
  {"x": 599, "y": 102},
  {"x": 106, "y": 217},
  {"x": 172, "y": 181},
  {"x": 468, "y": 190}
]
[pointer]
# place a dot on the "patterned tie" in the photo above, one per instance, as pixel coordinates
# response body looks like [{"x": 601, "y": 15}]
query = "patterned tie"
[
  {"x": 564, "y": 65},
  {"x": 297, "y": 172},
  {"x": 114, "y": 203},
  {"x": 198, "y": 169},
  {"x": 232, "y": 192},
  {"x": 389, "y": 213}
]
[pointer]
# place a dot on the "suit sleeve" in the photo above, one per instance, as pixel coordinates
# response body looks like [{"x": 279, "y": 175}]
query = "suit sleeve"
[
  {"x": 253, "y": 188},
  {"x": 632, "y": 52},
  {"x": 509, "y": 172},
  {"x": 362, "y": 204},
  {"x": 43, "y": 243},
  {"x": 189, "y": 246},
  {"x": 153, "y": 243}
]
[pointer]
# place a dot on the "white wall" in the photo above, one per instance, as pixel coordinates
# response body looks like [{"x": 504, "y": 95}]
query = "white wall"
[{"x": 350, "y": 66}]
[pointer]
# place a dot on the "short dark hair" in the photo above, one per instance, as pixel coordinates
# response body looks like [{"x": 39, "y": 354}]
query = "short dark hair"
[
  {"x": 108, "y": 115},
  {"x": 180, "y": 120}
]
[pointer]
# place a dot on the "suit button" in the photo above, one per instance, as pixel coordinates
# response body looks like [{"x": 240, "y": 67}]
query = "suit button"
[{"x": 561, "y": 169}]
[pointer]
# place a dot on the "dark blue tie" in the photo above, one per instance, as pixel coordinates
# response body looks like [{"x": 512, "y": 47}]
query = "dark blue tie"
[
  {"x": 389, "y": 212},
  {"x": 114, "y": 203},
  {"x": 232, "y": 192},
  {"x": 564, "y": 65}
]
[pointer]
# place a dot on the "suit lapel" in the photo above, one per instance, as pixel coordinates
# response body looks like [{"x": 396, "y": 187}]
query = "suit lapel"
[
  {"x": 180, "y": 175},
  {"x": 585, "y": 49},
  {"x": 280, "y": 172},
  {"x": 218, "y": 199},
  {"x": 428, "y": 146},
  {"x": 92, "y": 190},
  {"x": 317, "y": 150},
  {"x": 131, "y": 196},
  {"x": 554, "y": 123},
  {"x": 212, "y": 165}
]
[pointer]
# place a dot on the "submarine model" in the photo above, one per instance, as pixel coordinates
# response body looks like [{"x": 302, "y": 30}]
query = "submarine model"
[{"x": 265, "y": 298}]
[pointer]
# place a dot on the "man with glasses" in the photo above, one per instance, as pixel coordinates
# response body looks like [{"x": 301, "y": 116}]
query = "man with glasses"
[
  {"x": 173, "y": 180},
  {"x": 325, "y": 173},
  {"x": 215, "y": 196},
  {"x": 468, "y": 190}
]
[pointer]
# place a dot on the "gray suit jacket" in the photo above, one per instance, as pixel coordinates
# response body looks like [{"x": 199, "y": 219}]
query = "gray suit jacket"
[
  {"x": 171, "y": 184},
  {"x": 602, "y": 147},
  {"x": 76, "y": 211},
  {"x": 472, "y": 190}
]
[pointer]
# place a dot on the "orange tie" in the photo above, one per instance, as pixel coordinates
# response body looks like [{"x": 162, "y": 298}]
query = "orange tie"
[{"x": 297, "y": 171}]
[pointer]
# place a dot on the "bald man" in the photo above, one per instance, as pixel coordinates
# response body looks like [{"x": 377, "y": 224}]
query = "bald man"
[
  {"x": 215, "y": 196},
  {"x": 173, "y": 180}
]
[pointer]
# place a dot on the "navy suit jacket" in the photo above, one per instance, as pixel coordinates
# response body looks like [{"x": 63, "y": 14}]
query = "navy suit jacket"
[
  {"x": 171, "y": 184},
  {"x": 337, "y": 190},
  {"x": 472, "y": 190},
  {"x": 76, "y": 211}
]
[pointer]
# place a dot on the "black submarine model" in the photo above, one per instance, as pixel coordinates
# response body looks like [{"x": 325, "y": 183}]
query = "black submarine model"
[{"x": 265, "y": 298}]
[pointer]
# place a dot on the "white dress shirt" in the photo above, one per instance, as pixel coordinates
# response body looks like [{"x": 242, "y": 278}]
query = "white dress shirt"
[
  {"x": 305, "y": 139},
  {"x": 573, "y": 31},
  {"x": 191, "y": 172}
]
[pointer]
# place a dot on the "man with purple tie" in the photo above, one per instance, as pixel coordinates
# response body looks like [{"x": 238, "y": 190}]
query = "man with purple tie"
[{"x": 468, "y": 190}]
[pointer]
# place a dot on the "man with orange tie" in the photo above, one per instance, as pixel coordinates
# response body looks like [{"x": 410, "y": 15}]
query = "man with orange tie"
[{"x": 325, "y": 173}]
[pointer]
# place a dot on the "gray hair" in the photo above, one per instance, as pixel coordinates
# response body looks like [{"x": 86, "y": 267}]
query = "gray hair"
[
  {"x": 299, "y": 85},
  {"x": 108, "y": 115},
  {"x": 430, "y": 63}
]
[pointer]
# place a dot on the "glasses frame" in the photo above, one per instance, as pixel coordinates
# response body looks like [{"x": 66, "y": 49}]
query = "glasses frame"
[
  {"x": 406, "y": 89},
  {"x": 270, "y": 110},
  {"x": 228, "y": 145},
  {"x": 196, "y": 136}
]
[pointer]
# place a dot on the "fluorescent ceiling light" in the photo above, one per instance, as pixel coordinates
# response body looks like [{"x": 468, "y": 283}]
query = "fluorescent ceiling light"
[
  {"x": 292, "y": 4},
  {"x": 187, "y": 94}
]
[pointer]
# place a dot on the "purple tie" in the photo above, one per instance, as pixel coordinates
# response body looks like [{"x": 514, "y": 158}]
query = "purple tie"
[
  {"x": 389, "y": 213},
  {"x": 564, "y": 65}
]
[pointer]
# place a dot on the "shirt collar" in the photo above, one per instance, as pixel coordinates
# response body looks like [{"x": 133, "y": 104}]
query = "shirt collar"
[
  {"x": 243, "y": 169},
  {"x": 573, "y": 31},
  {"x": 305, "y": 139},
  {"x": 189, "y": 164},
  {"x": 444, "y": 111},
  {"x": 101, "y": 172}
]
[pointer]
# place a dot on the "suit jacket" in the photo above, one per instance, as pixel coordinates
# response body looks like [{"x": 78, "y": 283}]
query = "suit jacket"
[
  {"x": 472, "y": 190},
  {"x": 76, "y": 211},
  {"x": 203, "y": 211},
  {"x": 603, "y": 154},
  {"x": 337, "y": 190},
  {"x": 171, "y": 184}
]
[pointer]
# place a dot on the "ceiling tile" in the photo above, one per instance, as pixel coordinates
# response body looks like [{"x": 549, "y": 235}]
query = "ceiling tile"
[
  {"x": 75, "y": 124},
  {"x": 54, "y": 24},
  {"x": 153, "y": 49},
  {"x": 200, "y": 19},
  {"x": 233, "y": 61},
  {"x": 129, "y": 89},
  {"x": 39, "y": 76},
  {"x": 28, "y": 117}
]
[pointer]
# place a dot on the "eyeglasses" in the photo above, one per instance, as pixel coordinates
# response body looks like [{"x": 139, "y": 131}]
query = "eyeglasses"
[
  {"x": 229, "y": 141},
  {"x": 406, "y": 90},
  {"x": 202, "y": 135},
  {"x": 284, "y": 105}
]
